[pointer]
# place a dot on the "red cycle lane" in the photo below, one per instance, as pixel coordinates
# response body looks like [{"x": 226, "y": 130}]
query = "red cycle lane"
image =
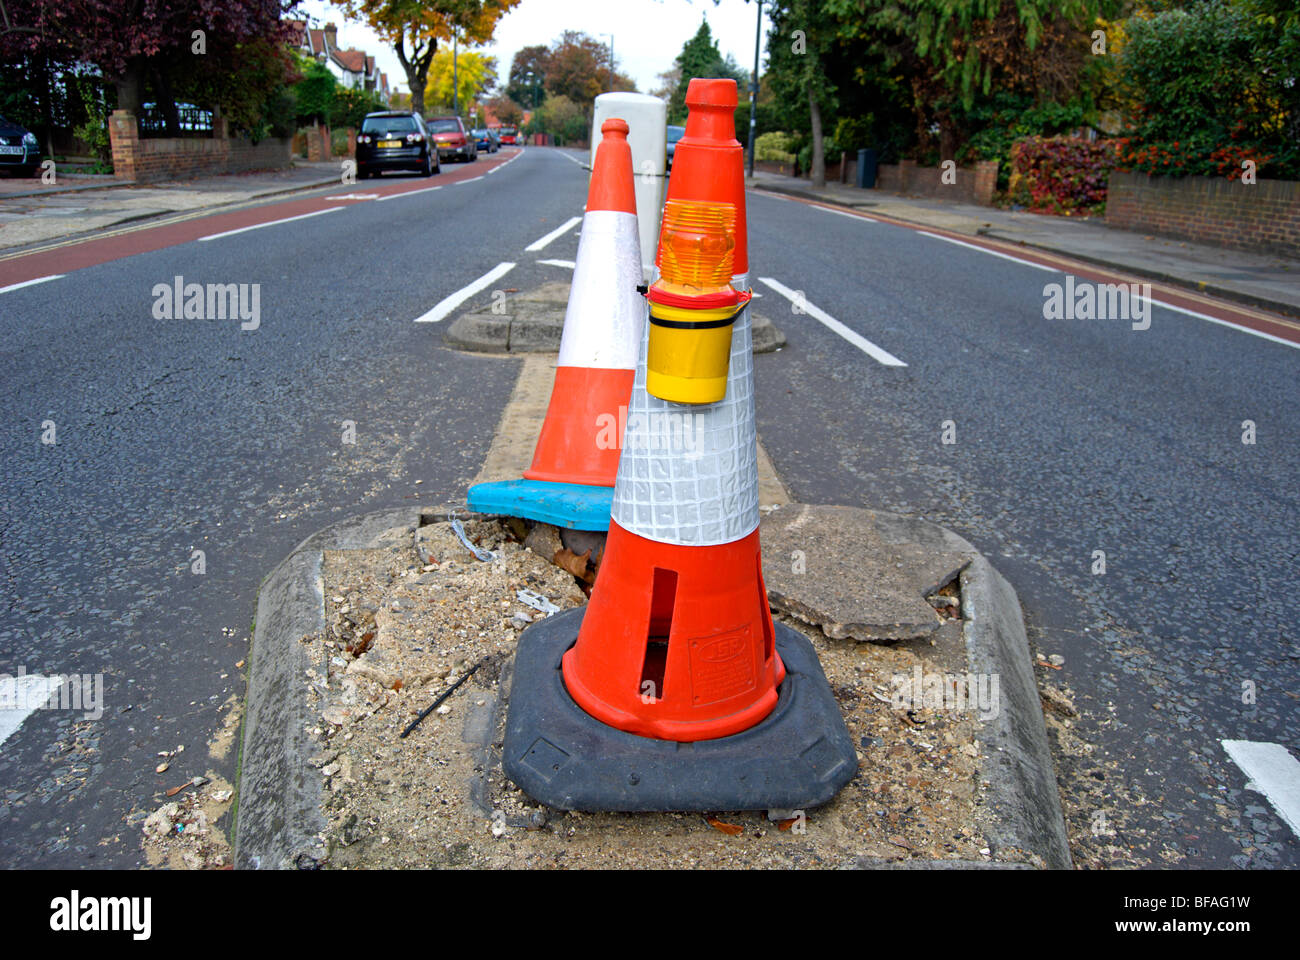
[{"x": 77, "y": 254}]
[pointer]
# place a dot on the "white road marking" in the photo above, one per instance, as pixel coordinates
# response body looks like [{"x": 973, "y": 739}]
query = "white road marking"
[
  {"x": 22, "y": 696},
  {"x": 991, "y": 253},
  {"x": 845, "y": 213},
  {"x": 470, "y": 180},
  {"x": 448, "y": 304},
  {"x": 1222, "y": 323},
  {"x": 862, "y": 343},
  {"x": 1273, "y": 772},
  {"x": 1152, "y": 300},
  {"x": 407, "y": 193},
  {"x": 272, "y": 223},
  {"x": 575, "y": 160},
  {"x": 560, "y": 263},
  {"x": 557, "y": 232},
  {"x": 29, "y": 283},
  {"x": 353, "y": 196}
]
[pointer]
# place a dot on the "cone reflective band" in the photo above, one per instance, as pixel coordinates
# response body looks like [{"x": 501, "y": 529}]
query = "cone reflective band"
[
  {"x": 569, "y": 483},
  {"x": 677, "y": 644},
  {"x": 693, "y": 304}
]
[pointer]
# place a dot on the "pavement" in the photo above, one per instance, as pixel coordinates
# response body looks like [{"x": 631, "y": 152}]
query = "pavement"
[
  {"x": 1257, "y": 279},
  {"x": 32, "y": 213},
  {"x": 1099, "y": 467}
]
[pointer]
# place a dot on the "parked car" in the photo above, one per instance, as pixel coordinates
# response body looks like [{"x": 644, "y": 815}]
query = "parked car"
[
  {"x": 452, "y": 138},
  {"x": 20, "y": 151},
  {"x": 485, "y": 139},
  {"x": 509, "y": 135},
  {"x": 674, "y": 134},
  {"x": 395, "y": 140}
]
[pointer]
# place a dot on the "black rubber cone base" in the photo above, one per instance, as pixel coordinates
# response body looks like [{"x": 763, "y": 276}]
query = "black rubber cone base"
[{"x": 797, "y": 758}]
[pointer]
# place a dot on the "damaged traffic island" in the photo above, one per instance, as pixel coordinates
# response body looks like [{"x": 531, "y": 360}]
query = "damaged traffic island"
[{"x": 369, "y": 622}]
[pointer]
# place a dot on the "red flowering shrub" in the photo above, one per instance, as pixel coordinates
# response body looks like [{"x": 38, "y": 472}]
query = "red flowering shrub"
[{"x": 1061, "y": 174}]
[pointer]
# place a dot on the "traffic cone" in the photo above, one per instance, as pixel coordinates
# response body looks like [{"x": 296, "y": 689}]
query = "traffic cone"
[
  {"x": 677, "y": 645},
  {"x": 570, "y": 481}
]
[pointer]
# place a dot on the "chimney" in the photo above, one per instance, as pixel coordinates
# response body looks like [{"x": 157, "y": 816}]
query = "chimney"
[{"x": 332, "y": 36}]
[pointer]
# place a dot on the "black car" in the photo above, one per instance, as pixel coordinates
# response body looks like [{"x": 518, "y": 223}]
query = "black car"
[
  {"x": 674, "y": 134},
  {"x": 395, "y": 140},
  {"x": 20, "y": 151}
]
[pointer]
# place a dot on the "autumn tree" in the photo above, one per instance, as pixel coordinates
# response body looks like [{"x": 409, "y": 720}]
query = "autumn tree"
[
  {"x": 578, "y": 67},
  {"x": 415, "y": 28},
  {"x": 172, "y": 47},
  {"x": 508, "y": 112},
  {"x": 472, "y": 75}
]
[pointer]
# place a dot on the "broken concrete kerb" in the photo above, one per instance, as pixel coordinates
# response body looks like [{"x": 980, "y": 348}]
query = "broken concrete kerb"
[{"x": 848, "y": 571}]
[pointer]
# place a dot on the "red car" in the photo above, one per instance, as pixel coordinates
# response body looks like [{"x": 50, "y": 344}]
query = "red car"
[
  {"x": 509, "y": 135},
  {"x": 452, "y": 138}
]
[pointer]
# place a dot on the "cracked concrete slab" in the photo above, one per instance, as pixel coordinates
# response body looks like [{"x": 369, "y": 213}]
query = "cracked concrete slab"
[{"x": 857, "y": 574}]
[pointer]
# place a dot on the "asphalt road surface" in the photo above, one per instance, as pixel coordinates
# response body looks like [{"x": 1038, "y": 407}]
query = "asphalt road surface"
[{"x": 920, "y": 377}]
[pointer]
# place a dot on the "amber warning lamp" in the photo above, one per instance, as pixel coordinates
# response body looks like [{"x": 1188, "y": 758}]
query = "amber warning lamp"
[{"x": 693, "y": 304}]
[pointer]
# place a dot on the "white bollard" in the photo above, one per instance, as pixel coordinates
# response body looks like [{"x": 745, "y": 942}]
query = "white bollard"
[{"x": 647, "y": 120}]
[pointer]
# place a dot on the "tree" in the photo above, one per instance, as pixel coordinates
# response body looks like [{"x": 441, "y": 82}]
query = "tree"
[
  {"x": 415, "y": 28},
  {"x": 801, "y": 41},
  {"x": 474, "y": 74},
  {"x": 528, "y": 75},
  {"x": 508, "y": 112},
  {"x": 139, "y": 42},
  {"x": 578, "y": 68},
  {"x": 700, "y": 57},
  {"x": 562, "y": 118}
]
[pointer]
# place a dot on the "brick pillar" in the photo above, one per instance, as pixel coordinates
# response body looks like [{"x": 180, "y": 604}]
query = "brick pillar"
[
  {"x": 352, "y": 142},
  {"x": 124, "y": 137},
  {"x": 986, "y": 181},
  {"x": 318, "y": 144},
  {"x": 905, "y": 168}
]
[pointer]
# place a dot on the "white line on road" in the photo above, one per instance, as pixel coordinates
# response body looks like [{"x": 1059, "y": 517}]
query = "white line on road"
[
  {"x": 862, "y": 343},
  {"x": 1273, "y": 772},
  {"x": 470, "y": 180},
  {"x": 448, "y": 304},
  {"x": 575, "y": 160},
  {"x": 558, "y": 231},
  {"x": 569, "y": 264},
  {"x": 29, "y": 283},
  {"x": 845, "y": 213},
  {"x": 23, "y": 695},
  {"x": 271, "y": 223},
  {"x": 991, "y": 253},
  {"x": 1222, "y": 323},
  {"x": 1152, "y": 300},
  {"x": 407, "y": 193}
]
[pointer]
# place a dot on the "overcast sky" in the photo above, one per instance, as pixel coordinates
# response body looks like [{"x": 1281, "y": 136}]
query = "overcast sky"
[{"x": 648, "y": 34}]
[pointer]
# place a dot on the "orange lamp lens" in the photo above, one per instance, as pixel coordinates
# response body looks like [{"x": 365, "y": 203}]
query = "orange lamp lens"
[{"x": 697, "y": 243}]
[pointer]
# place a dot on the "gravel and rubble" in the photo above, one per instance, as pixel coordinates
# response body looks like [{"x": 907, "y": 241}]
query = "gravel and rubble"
[{"x": 410, "y": 617}]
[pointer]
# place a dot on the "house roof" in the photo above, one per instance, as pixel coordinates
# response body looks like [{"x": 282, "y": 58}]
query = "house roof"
[
  {"x": 352, "y": 59},
  {"x": 316, "y": 41}
]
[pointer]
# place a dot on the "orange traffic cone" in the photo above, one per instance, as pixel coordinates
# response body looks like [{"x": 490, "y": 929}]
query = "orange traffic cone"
[
  {"x": 677, "y": 645},
  {"x": 576, "y": 459}
]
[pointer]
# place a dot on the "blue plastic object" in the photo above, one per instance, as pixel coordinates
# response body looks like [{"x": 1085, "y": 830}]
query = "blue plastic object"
[{"x": 574, "y": 506}]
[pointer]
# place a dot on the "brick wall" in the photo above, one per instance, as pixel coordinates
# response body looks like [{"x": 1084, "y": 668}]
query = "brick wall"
[
  {"x": 1263, "y": 217},
  {"x": 974, "y": 184},
  {"x": 180, "y": 158}
]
